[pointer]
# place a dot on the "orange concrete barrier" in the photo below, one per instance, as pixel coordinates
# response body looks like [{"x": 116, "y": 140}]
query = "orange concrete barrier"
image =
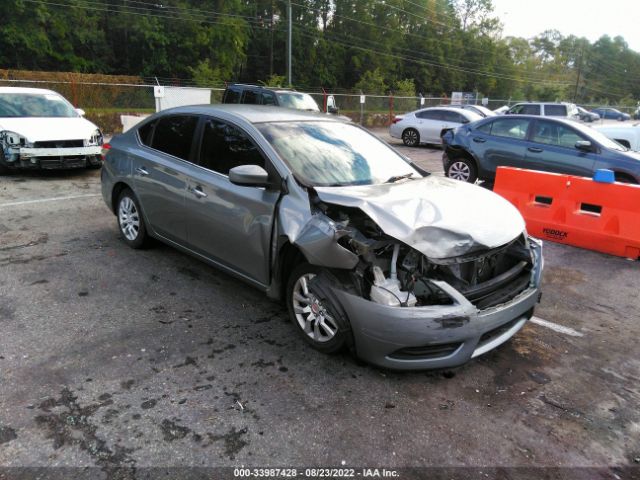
[{"x": 575, "y": 210}]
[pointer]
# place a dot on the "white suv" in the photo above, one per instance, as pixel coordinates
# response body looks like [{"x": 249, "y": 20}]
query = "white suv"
[{"x": 546, "y": 109}]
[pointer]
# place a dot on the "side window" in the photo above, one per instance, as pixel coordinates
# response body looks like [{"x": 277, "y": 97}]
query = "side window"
[
  {"x": 530, "y": 110},
  {"x": 232, "y": 96},
  {"x": 268, "y": 98},
  {"x": 510, "y": 128},
  {"x": 486, "y": 128},
  {"x": 225, "y": 146},
  {"x": 174, "y": 135},
  {"x": 555, "y": 110},
  {"x": 555, "y": 134},
  {"x": 250, "y": 97},
  {"x": 430, "y": 114},
  {"x": 145, "y": 133},
  {"x": 452, "y": 117},
  {"x": 516, "y": 109}
]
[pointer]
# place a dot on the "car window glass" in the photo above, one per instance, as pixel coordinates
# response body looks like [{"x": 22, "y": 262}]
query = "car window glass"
[
  {"x": 430, "y": 114},
  {"x": 516, "y": 109},
  {"x": 556, "y": 134},
  {"x": 530, "y": 110},
  {"x": 232, "y": 96},
  {"x": 486, "y": 128},
  {"x": 555, "y": 110},
  {"x": 268, "y": 98},
  {"x": 452, "y": 117},
  {"x": 145, "y": 131},
  {"x": 250, "y": 97},
  {"x": 510, "y": 127},
  {"x": 225, "y": 146},
  {"x": 174, "y": 135}
]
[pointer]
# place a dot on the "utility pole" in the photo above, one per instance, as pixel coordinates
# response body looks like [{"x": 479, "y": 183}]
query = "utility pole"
[
  {"x": 289, "y": 43},
  {"x": 575, "y": 92}
]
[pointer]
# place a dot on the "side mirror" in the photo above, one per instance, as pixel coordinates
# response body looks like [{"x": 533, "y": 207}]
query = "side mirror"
[
  {"x": 584, "y": 145},
  {"x": 81, "y": 112},
  {"x": 249, "y": 176}
]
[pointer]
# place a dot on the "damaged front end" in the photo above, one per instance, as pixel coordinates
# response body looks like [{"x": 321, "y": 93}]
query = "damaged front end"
[
  {"x": 19, "y": 152},
  {"x": 409, "y": 310}
]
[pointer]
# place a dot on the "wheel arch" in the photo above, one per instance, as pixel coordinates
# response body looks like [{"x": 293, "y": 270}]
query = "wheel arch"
[{"x": 115, "y": 193}]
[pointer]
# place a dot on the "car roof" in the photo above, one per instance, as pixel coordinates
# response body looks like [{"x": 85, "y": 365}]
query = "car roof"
[
  {"x": 566, "y": 121},
  {"x": 39, "y": 91},
  {"x": 255, "y": 113}
]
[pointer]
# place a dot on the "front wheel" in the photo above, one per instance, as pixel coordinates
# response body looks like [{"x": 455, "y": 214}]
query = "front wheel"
[
  {"x": 462, "y": 169},
  {"x": 130, "y": 221},
  {"x": 316, "y": 314},
  {"x": 411, "y": 137}
]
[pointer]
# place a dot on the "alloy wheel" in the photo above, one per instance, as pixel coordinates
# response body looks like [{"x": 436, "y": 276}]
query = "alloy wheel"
[
  {"x": 129, "y": 218},
  {"x": 459, "y": 171},
  {"x": 312, "y": 316}
]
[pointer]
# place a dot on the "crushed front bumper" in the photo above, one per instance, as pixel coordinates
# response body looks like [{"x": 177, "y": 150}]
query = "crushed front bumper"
[
  {"x": 53, "y": 158},
  {"x": 439, "y": 336}
]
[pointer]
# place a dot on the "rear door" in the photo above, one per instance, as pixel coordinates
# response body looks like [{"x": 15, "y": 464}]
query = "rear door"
[
  {"x": 160, "y": 174},
  {"x": 227, "y": 223},
  {"x": 552, "y": 149},
  {"x": 430, "y": 124}
]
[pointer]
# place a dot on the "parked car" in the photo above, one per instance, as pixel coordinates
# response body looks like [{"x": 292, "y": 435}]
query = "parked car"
[
  {"x": 369, "y": 252},
  {"x": 587, "y": 116},
  {"x": 609, "y": 113},
  {"x": 501, "y": 110},
  {"x": 636, "y": 113},
  {"x": 545, "y": 109},
  {"x": 280, "y": 97},
  {"x": 551, "y": 144},
  {"x": 479, "y": 109},
  {"x": 428, "y": 124},
  {"x": 39, "y": 129},
  {"x": 626, "y": 135}
]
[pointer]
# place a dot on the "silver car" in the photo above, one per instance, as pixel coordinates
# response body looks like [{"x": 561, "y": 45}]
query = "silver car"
[
  {"x": 369, "y": 252},
  {"x": 429, "y": 124}
]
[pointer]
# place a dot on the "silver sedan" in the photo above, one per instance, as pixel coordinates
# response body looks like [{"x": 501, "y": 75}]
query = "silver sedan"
[{"x": 368, "y": 252}]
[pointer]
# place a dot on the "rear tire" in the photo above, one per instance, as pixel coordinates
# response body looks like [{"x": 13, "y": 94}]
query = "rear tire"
[
  {"x": 462, "y": 169},
  {"x": 411, "y": 137},
  {"x": 315, "y": 312},
  {"x": 130, "y": 221}
]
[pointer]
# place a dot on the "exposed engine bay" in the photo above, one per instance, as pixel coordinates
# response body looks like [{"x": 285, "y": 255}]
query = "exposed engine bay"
[{"x": 392, "y": 273}]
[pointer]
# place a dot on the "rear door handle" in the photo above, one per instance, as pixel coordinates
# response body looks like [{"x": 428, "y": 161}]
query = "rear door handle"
[
  {"x": 197, "y": 191},
  {"x": 534, "y": 149},
  {"x": 479, "y": 140},
  {"x": 142, "y": 171}
]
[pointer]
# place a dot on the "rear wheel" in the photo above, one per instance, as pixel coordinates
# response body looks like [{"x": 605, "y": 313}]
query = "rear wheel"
[
  {"x": 315, "y": 312},
  {"x": 463, "y": 169},
  {"x": 130, "y": 221},
  {"x": 411, "y": 137}
]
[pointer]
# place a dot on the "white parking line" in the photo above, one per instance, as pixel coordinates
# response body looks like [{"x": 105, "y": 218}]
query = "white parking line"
[
  {"x": 556, "y": 327},
  {"x": 44, "y": 200}
]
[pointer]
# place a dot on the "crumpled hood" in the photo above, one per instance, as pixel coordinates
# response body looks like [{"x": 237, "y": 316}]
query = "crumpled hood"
[
  {"x": 36, "y": 129},
  {"x": 439, "y": 217}
]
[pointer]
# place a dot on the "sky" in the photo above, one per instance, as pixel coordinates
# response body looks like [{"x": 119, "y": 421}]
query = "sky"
[{"x": 583, "y": 18}]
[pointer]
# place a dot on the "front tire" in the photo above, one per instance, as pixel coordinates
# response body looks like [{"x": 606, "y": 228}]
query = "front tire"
[
  {"x": 462, "y": 169},
  {"x": 411, "y": 137},
  {"x": 130, "y": 221},
  {"x": 315, "y": 312}
]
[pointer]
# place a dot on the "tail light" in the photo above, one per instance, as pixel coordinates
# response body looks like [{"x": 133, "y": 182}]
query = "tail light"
[
  {"x": 396, "y": 120},
  {"x": 105, "y": 149}
]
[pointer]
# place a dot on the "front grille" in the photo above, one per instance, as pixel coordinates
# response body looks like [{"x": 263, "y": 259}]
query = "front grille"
[
  {"x": 59, "y": 144},
  {"x": 49, "y": 163},
  {"x": 426, "y": 352}
]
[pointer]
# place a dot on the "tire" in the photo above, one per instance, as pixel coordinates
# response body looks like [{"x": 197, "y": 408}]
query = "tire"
[
  {"x": 94, "y": 166},
  {"x": 4, "y": 169},
  {"x": 317, "y": 315},
  {"x": 462, "y": 169},
  {"x": 411, "y": 137},
  {"x": 130, "y": 221}
]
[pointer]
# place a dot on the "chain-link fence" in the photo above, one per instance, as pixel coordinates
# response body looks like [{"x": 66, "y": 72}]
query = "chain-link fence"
[{"x": 105, "y": 102}]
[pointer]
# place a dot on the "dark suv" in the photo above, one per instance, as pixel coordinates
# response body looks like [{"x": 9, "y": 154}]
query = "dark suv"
[{"x": 279, "y": 97}]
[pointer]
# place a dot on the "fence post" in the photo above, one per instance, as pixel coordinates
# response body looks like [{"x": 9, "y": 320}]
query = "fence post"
[
  {"x": 324, "y": 100},
  {"x": 362, "y": 100},
  {"x": 390, "y": 108}
]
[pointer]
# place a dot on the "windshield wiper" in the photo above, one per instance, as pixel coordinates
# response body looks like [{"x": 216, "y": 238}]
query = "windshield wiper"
[{"x": 397, "y": 178}]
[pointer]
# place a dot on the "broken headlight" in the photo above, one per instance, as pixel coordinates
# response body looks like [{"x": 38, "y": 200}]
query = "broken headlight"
[
  {"x": 96, "y": 139},
  {"x": 13, "y": 139}
]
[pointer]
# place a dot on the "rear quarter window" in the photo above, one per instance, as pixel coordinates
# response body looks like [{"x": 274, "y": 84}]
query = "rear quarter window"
[
  {"x": 232, "y": 96},
  {"x": 174, "y": 135},
  {"x": 145, "y": 132},
  {"x": 555, "y": 110}
]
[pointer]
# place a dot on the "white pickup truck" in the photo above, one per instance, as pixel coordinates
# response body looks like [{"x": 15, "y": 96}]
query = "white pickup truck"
[{"x": 627, "y": 135}]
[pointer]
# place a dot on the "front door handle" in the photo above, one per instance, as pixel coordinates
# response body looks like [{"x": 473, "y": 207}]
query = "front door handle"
[
  {"x": 534, "y": 149},
  {"x": 197, "y": 191},
  {"x": 142, "y": 171},
  {"x": 479, "y": 140}
]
